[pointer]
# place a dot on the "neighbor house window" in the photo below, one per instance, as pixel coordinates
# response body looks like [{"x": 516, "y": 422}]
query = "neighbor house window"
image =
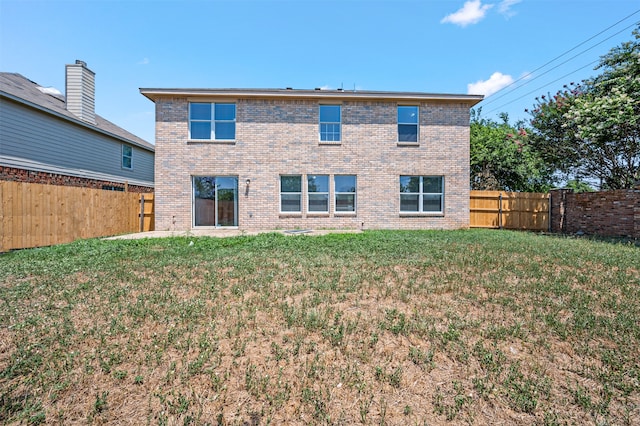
[
  {"x": 330, "y": 119},
  {"x": 421, "y": 194},
  {"x": 127, "y": 157},
  {"x": 345, "y": 193},
  {"x": 291, "y": 194},
  {"x": 212, "y": 121},
  {"x": 407, "y": 124},
  {"x": 318, "y": 193}
]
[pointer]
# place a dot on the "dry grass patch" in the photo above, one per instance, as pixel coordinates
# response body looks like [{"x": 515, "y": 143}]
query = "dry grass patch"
[{"x": 467, "y": 327}]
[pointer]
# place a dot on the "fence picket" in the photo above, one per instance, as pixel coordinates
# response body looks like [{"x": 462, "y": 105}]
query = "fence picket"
[
  {"x": 34, "y": 215},
  {"x": 509, "y": 210}
]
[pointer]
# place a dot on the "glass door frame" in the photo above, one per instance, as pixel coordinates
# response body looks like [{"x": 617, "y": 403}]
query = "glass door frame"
[{"x": 216, "y": 188}]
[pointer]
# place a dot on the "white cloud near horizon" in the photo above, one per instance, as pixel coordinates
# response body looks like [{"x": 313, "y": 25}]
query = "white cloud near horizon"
[
  {"x": 525, "y": 75},
  {"x": 504, "y": 8},
  {"x": 496, "y": 82},
  {"x": 144, "y": 61},
  {"x": 472, "y": 12},
  {"x": 50, "y": 90}
]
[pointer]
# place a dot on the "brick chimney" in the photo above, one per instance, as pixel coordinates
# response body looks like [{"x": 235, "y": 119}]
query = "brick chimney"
[{"x": 80, "y": 91}]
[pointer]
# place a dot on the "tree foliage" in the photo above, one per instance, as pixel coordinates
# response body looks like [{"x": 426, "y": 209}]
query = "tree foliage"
[
  {"x": 502, "y": 158},
  {"x": 592, "y": 130}
]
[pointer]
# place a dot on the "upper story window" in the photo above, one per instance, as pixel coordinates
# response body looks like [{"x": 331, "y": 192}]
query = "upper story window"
[
  {"x": 212, "y": 121},
  {"x": 407, "y": 124},
  {"x": 330, "y": 123},
  {"x": 291, "y": 194},
  {"x": 345, "y": 193},
  {"x": 318, "y": 193},
  {"x": 127, "y": 157},
  {"x": 421, "y": 194}
]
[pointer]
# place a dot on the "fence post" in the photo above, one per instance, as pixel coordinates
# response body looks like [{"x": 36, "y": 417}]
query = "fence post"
[
  {"x": 500, "y": 210},
  {"x": 550, "y": 212},
  {"x": 141, "y": 212}
]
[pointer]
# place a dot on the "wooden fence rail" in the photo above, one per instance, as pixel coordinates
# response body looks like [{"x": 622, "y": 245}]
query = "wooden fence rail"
[
  {"x": 509, "y": 210},
  {"x": 34, "y": 215}
]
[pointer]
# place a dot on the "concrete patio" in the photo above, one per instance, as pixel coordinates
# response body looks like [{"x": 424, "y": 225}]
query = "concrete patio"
[{"x": 222, "y": 233}]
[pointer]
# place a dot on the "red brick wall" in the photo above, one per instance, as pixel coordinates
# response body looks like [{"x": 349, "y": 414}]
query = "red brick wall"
[
  {"x": 607, "y": 213},
  {"x": 30, "y": 176}
]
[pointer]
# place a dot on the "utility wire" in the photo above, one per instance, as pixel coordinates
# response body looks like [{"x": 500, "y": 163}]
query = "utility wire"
[
  {"x": 542, "y": 87},
  {"x": 563, "y": 54},
  {"x": 557, "y": 66}
]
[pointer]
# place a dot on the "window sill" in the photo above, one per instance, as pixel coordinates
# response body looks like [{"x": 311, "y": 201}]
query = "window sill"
[
  {"x": 290, "y": 214},
  {"x": 211, "y": 141},
  {"x": 424, "y": 214},
  {"x": 212, "y": 228},
  {"x": 408, "y": 143},
  {"x": 330, "y": 143}
]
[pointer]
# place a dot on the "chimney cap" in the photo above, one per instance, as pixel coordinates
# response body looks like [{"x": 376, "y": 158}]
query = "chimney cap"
[{"x": 79, "y": 62}]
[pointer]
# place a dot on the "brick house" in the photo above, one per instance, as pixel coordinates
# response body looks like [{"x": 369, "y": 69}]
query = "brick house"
[
  {"x": 311, "y": 159},
  {"x": 50, "y": 138}
]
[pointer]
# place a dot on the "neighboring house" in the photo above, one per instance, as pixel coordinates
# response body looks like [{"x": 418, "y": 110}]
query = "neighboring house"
[
  {"x": 46, "y": 137},
  {"x": 311, "y": 159}
]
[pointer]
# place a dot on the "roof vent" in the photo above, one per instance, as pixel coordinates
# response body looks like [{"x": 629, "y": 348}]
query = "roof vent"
[{"x": 318, "y": 88}]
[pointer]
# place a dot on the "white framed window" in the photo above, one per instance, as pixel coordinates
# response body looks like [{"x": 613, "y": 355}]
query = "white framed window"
[
  {"x": 291, "y": 194},
  {"x": 330, "y": 123},
  {"x": 318, "y": 193},
  {"x": 127, "y": 157},
  {"x": 345, "y": 193},
  {"x": 421, "y": 194},
  {"x": 407, "y": 123},
  {"x": 212, "y": 121}
]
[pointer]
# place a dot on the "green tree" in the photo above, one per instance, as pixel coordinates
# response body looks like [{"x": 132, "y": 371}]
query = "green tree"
[
  {"x": 592, "y": 130},
  {"x": 552, "y": 137},
  {"x": 502, "y": 159}
]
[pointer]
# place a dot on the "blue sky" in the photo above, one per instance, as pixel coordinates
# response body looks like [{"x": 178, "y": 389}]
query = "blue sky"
[{"x": 437, "y": 46}]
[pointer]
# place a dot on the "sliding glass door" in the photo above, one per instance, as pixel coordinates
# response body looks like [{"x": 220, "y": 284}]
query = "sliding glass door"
[{"x": 215, "y": 201}]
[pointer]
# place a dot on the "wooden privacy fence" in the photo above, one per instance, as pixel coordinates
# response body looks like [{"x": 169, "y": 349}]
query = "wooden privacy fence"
[
  {"x": 34, "y": 215},
  {"x": 509, "y": 210}
]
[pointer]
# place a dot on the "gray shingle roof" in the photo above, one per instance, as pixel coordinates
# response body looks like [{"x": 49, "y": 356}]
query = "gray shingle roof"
[
  {"x": 154, "y": 93},
  {"x": 22, "y": 89}
]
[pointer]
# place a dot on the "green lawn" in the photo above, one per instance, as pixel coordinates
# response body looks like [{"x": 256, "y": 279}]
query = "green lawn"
[{"x": 382, "y": 327}]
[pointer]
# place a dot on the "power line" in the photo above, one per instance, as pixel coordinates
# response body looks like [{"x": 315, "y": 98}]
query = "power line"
[
  {"x": 542, "y": 87},
  {"x": 563, "y": 54},
  {"x": 557, "y": 66}
]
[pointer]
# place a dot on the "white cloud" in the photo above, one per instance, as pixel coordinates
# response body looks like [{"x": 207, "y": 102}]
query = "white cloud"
[
  {"x": 496, "y": 82},
  {"x": 50, "y": 90},
  {"x": 144, "y": 61},
  {"x": 504, "y": 8},
  {"x": 472, "y": 12},
  {"x": 525, "y": 75}
]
